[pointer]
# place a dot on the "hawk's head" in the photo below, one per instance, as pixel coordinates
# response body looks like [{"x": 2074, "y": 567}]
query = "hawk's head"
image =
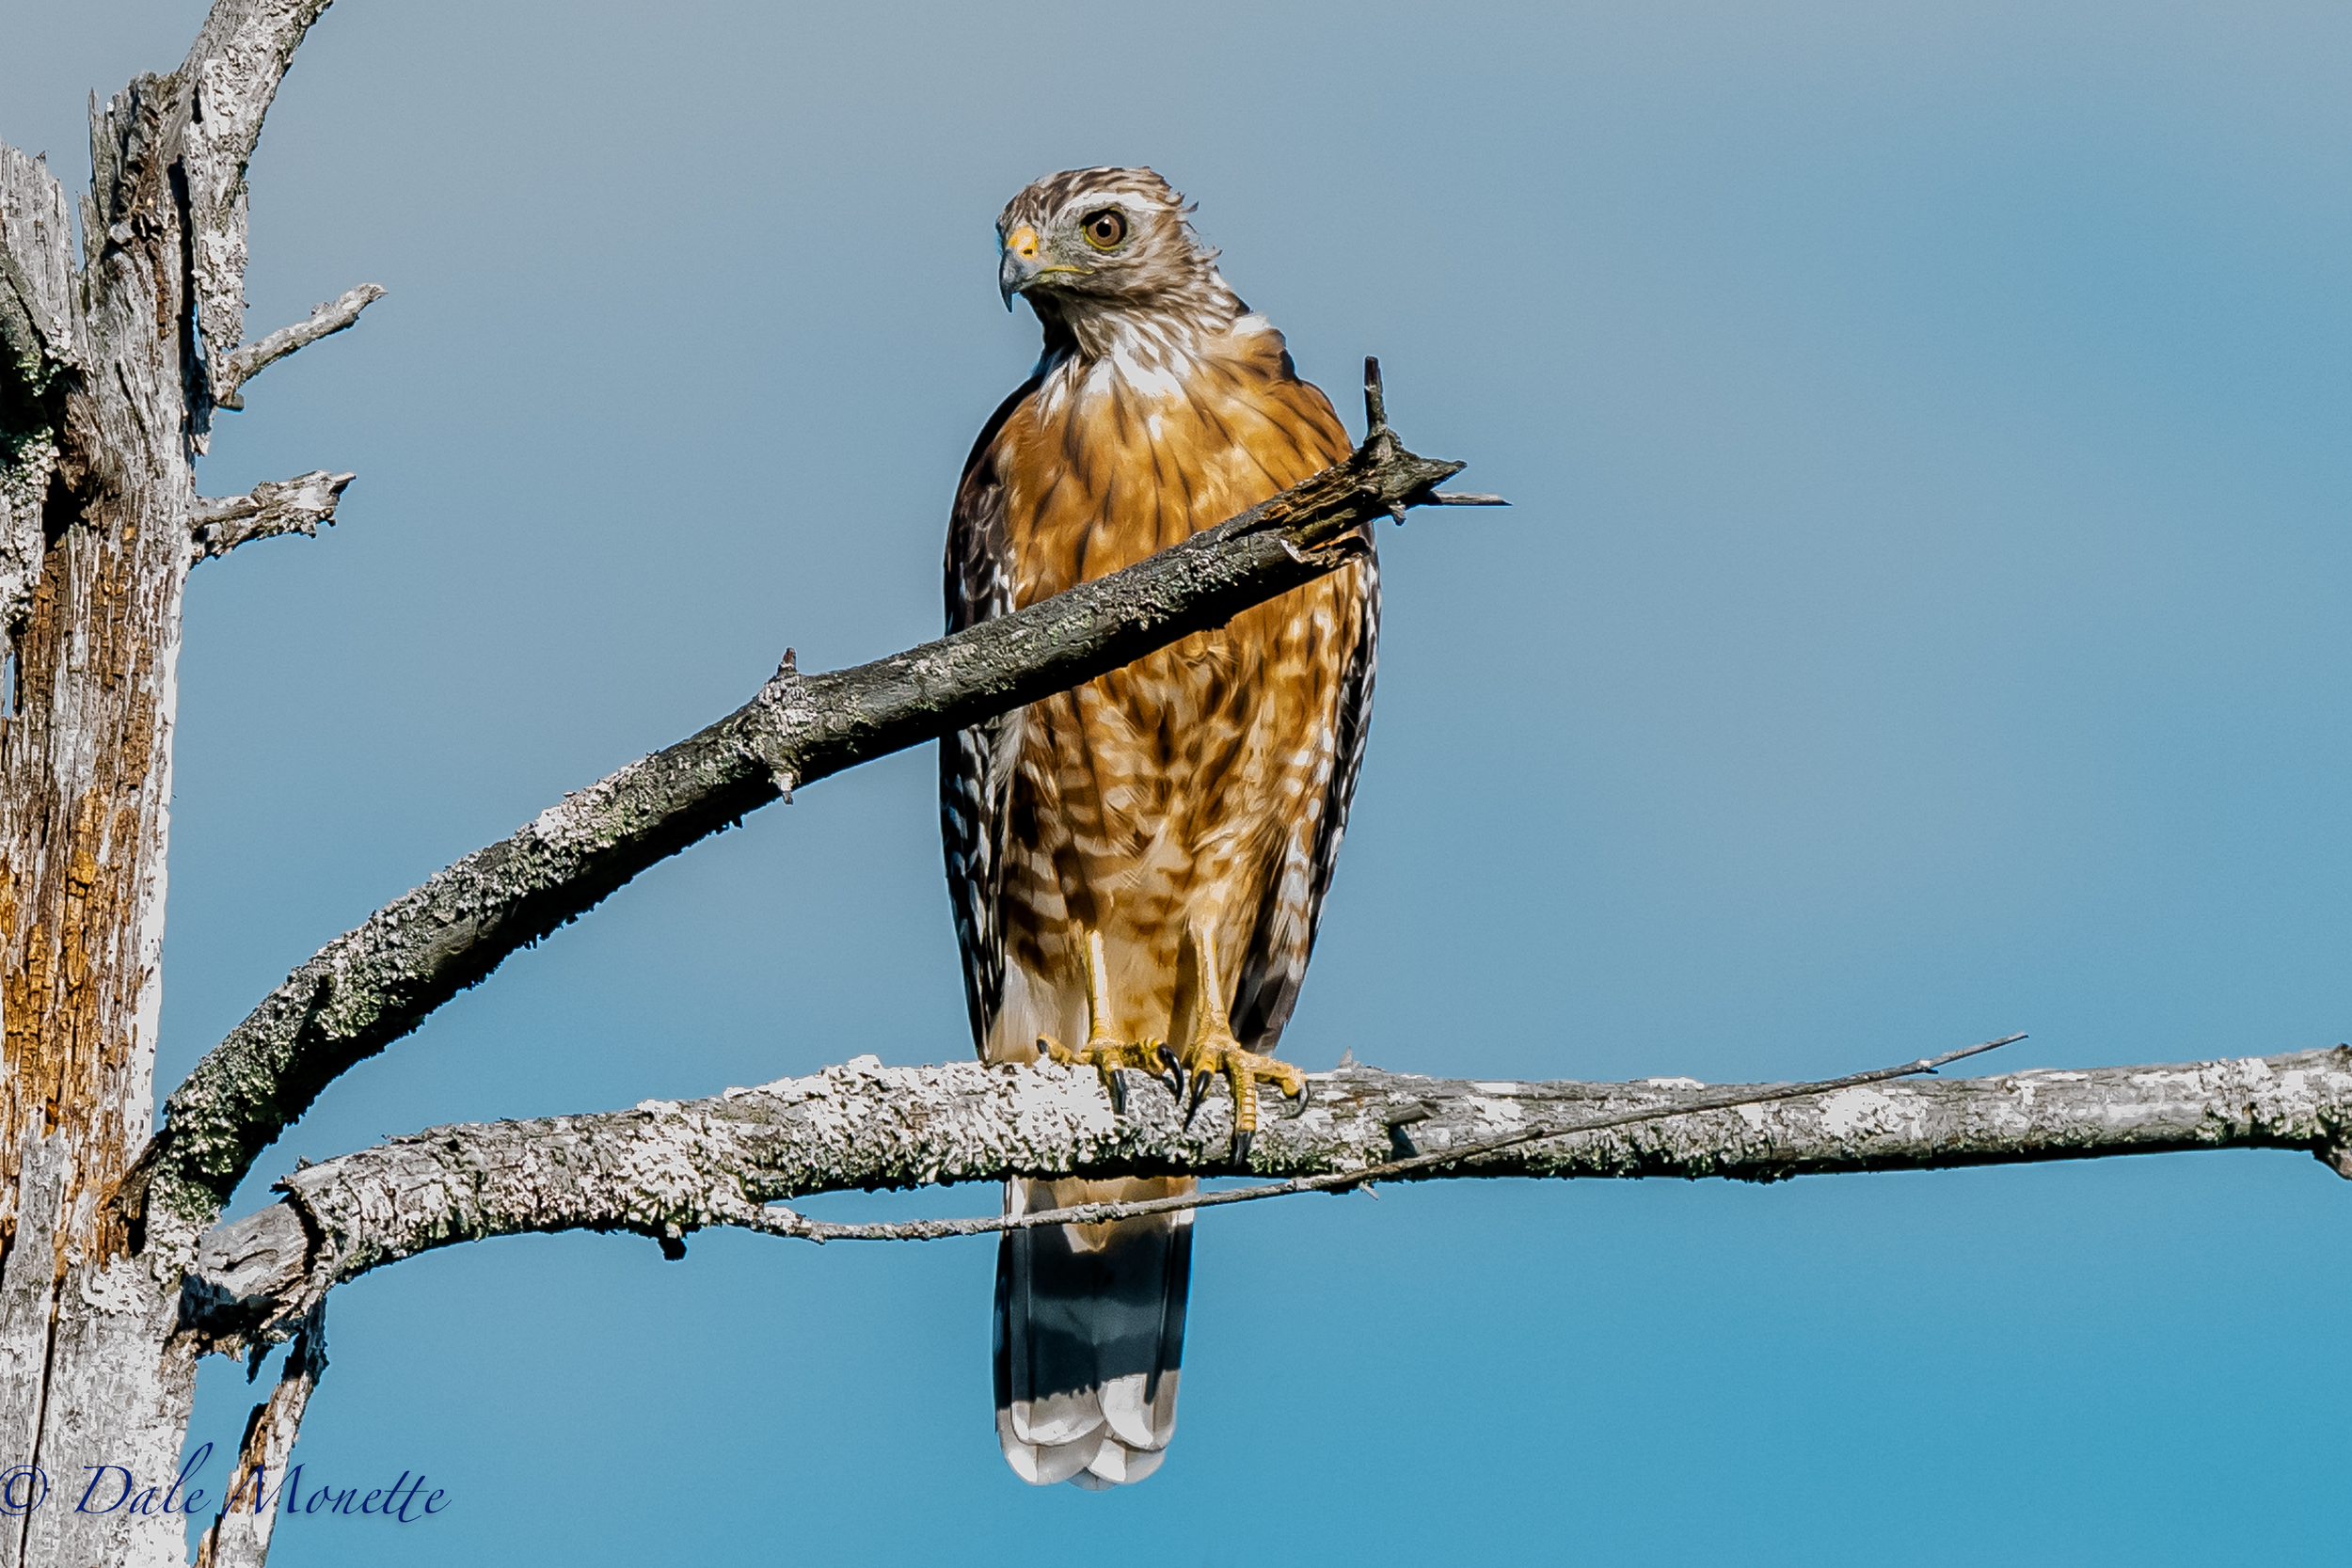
[{"x": 1100, "y": 241}]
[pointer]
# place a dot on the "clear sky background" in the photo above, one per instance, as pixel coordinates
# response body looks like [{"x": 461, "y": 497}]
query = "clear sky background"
[{"x": 1923, "y": 618}]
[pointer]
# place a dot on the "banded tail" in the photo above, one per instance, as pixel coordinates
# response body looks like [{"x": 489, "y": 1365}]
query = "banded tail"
[{"x": 1089, "y": 1333}]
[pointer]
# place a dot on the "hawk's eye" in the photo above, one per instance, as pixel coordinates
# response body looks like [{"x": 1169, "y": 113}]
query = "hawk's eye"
[{"x": 1106, "y": 229}]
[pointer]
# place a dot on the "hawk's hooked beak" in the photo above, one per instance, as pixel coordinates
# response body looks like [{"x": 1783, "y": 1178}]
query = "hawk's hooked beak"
[{"x": 1022, "y": 260}]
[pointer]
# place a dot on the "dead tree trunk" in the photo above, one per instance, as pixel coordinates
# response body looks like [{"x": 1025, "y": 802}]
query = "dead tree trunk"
[{"x": 113, "y": 368}]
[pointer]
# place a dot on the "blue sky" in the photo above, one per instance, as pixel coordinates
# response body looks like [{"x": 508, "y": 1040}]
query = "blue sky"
[{"x": 1922, "y": 618}]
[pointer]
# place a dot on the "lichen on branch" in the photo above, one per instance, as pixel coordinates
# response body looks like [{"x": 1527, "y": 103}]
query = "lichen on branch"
[{"x": 667, "y": 1168}]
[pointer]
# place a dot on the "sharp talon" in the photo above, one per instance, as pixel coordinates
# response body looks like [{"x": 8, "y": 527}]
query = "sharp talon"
[
  {"x": 1201, "y": 1081},
  {"x": 1116, "y": 1081},
  {"x": 1175, "y": 1078},
  {"x": 1301, "y": 1097},
  {"x": 1242, "y": 1140}
]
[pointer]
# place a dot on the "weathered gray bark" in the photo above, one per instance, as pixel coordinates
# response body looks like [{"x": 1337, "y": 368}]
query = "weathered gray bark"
[
  {"x": 667, "y": 1168},
  {"x": 325, "y": 320},
  {"x": 296, "y": 505},
  {"x": 240, "y": 1531}
]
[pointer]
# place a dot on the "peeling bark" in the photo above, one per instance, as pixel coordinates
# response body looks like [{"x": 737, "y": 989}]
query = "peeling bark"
[
  {"x": 40, "y": 348},
  {"x": 85, "y": 786},
  {"x": 103, "y": 407}
]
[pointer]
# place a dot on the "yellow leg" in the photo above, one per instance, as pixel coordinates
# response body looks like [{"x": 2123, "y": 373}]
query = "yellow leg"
[
  {"x": 1103, "y": 1049},
  {"x": 1208, "y": 1048}
]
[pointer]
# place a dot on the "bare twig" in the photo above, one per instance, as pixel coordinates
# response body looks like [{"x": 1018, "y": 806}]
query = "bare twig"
[
  {"x": 296, "y": 505},
  {"x": 243, "y": 365},
  {"x": 379, "y": 981},
  {"x": 1376, "y": 430},
  {"x": 776, "y": 1220}
]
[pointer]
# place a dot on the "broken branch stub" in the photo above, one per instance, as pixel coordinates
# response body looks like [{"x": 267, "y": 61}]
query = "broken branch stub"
[{"x": 296, "y": 505}]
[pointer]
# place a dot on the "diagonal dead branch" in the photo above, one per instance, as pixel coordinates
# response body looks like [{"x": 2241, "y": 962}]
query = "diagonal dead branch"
[
  {"x": 379, "y": 981},
  {"x": 231, "y": 76},
  {"x": 324, "y": 321},
  {"x": 240, "y": 1534},
  {"x": 667, "y": 1168},
  {"x": 276, "y": 506}
]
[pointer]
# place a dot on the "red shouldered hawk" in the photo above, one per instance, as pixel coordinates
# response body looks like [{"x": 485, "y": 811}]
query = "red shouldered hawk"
[{"x": 1138, "y": 864}]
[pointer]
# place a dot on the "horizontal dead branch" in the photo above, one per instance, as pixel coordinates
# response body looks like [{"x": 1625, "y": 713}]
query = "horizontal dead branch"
[
  {"x": 324, "y": 321},
  {"x": 296, "y": 505},
  {"x": 777, "y": 1220},
  {"x": 667, "y": 1168},
  {"x": 379, "y": 981}
]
